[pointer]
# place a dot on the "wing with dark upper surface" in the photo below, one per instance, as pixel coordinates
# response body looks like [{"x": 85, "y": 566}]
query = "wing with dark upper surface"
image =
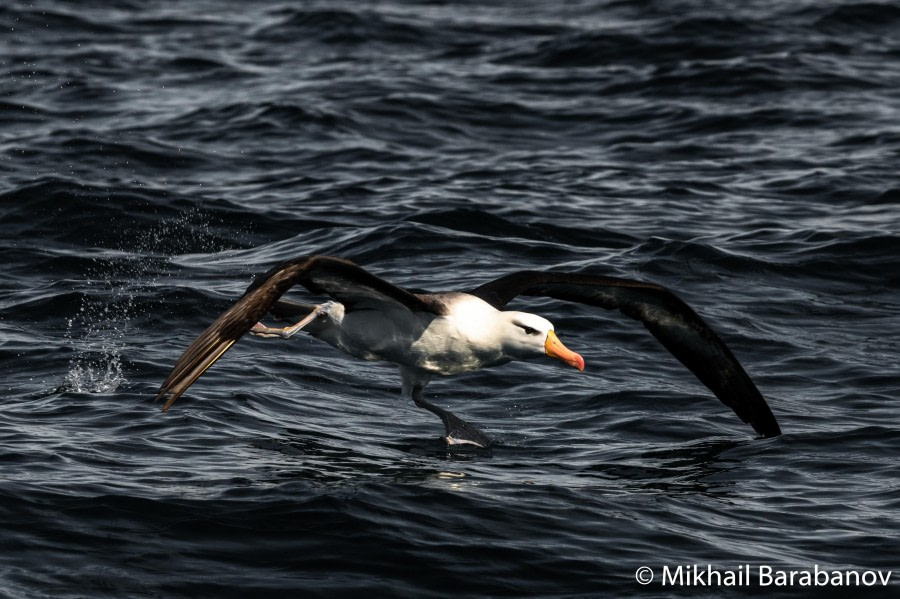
[
  {"x": 341, "y": 279},
  {"x": 684, "y": 333}
]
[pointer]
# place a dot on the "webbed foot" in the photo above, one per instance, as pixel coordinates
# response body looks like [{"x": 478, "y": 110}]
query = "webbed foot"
[
  {"x": 261, "y": 330},
  {"x": 460, "y": 432}
]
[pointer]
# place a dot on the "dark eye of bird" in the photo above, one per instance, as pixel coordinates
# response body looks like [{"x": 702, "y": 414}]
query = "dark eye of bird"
[{"x": 529, "y": 330}]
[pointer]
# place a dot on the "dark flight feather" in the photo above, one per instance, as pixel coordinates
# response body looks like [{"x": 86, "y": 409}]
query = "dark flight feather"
[{"x": 681, "y": 330}]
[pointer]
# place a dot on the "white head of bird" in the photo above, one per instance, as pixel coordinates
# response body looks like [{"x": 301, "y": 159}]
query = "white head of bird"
[{"x": 530, "y": 336}]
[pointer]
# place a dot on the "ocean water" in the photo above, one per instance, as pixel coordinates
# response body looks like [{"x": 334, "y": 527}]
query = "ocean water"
[{"x": 155, "y": 156}]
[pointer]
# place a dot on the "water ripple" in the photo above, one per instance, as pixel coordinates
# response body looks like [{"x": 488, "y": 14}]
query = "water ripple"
[{"x": 156, "y": 157}]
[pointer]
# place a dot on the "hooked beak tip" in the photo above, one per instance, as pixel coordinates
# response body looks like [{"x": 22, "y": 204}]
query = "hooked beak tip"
[{"x": 555, "y": 349}]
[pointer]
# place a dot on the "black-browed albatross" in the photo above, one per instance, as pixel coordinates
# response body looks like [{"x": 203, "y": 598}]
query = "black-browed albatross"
[{"x": 451, "y": 332}]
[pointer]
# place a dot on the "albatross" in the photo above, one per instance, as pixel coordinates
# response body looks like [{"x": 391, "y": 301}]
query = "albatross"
[{"x": 445, "y": 333}]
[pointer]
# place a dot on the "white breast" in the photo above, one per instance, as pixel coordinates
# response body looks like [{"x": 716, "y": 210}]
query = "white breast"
[{"x": 464, "y": 340}]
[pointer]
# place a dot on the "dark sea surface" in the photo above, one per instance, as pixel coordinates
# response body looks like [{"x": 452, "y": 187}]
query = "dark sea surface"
[{"x": 155, "y": 156}]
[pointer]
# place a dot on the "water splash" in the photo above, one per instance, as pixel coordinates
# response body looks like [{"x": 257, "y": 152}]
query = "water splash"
[
  {"x": 116, "y": 291},
  {"x": 97, "y": 334},
  {"x": 95, "y": 375}
]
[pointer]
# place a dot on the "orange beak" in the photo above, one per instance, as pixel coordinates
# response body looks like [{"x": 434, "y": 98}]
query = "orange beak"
[{"x": 555, "y": 349}]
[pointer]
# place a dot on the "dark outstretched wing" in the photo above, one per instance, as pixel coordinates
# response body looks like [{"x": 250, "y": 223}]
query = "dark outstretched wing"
[
  {"x": 341, "y": 279},
  {"x": 666, "y": 316}
]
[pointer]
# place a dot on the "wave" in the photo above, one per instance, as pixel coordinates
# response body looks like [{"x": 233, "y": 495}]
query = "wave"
[
  {"x": 335, "y": 26},
  {"x": 156, "y": 158}
]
